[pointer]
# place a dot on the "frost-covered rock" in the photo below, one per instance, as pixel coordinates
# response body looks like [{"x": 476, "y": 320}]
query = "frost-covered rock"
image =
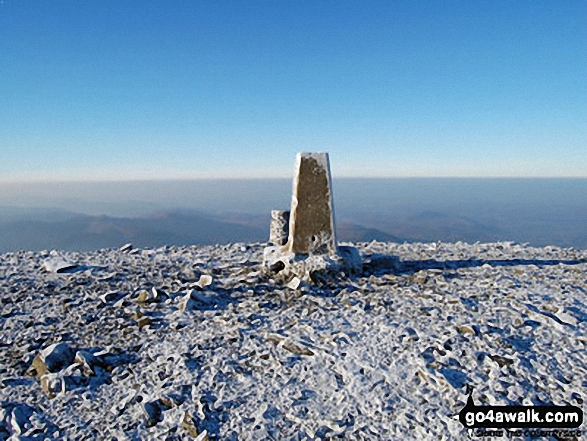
[
  {"x": 53, "y": 358},
  {"x": 58, "y": 265}
]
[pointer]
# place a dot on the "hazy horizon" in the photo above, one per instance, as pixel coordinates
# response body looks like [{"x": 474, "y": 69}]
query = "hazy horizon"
[{"x": 537, "y": 211}]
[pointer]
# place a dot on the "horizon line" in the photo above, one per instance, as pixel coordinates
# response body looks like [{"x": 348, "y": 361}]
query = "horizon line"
[{"x": 264, "y": 178}]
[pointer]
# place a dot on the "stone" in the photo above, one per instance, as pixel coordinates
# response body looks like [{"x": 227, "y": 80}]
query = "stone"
[
  {"x": 110, "y": 296},
  {"x": 53, "y": 384},
  {"x": 58, "y": 265},
  {"x": 182, "y": 305},
  {"x": 311, "y": 226},
  {"x": 382, "y": 262},
  {"x": 126, "y": 248},
  {"x": 279, "y": 229},
  {"x": 53, "y": 359},
  {"x": 19, "y": 419},
  {"x": 153, "y": 410},
  {"x": 88, "y": 362},
  {"x": 144, "y": 321},
  {"x": 294, "y": 283},
  {"x": 189, "y": 425},
  {"x": 144, "y": 296},
  {"x": 205, "y": 280}
]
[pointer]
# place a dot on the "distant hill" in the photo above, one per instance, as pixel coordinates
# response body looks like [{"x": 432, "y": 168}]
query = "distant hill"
[
  {"x": 351, "y": 232},
  {"x": 83, "y": 232},
  {"x": 71, "y": 231}
]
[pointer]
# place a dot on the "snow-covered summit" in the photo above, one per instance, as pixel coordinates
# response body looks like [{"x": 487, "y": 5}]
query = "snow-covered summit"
[{"x": 203, "y": 342}]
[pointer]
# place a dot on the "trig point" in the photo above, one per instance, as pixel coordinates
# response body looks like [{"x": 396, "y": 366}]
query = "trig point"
[
  {"x": 303, "y": 240},
  {"x": 311, "y": 224}
]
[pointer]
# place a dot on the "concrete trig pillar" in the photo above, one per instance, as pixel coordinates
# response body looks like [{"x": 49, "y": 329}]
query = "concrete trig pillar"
[{"x": 311, "y": 222}]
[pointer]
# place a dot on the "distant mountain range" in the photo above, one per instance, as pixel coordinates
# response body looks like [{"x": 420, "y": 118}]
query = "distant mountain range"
[
  {"x": 70, "y": 231},
  {"x": 84, "y": 232},
  {"x": 90, "y": 215}
]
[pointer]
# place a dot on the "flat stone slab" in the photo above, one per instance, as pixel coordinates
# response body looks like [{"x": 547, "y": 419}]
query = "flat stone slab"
[{"x": 311, "y": 223}]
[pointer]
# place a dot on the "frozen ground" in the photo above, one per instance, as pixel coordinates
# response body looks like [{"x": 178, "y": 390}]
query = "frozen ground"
[{"x": 153, "y": 350}]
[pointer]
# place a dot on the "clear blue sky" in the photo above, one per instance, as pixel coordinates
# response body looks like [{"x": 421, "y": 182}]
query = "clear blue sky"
[{"x": 129, "y": 89}]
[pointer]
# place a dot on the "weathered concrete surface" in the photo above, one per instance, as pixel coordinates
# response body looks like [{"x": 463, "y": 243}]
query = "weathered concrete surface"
[
  {"x": 311, "y": 224},
  {"x": 279, "y": 229},
  {"x": 309, "y": 252}
]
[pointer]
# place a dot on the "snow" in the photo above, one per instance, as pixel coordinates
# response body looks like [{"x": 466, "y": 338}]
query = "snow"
[{"x": 179, "y": 342}]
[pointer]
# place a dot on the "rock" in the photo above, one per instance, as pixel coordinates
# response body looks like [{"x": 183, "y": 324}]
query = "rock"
[
  {"x": 153, "y": 410},
  {"x": 154, "y": 295},
  {"x": 502, "y": 361},
  {"x": 184, "y": 301},
  {"x": 89, "y": 362},
  {"x": 202, "y": 436},
  {"x": 20, "y": 419},
  {"x": 188, "y": 424},
  {"x": 349, "y": 258},
  {"x": 53, "y": 384},
  {"x": 205, "y": 280},
  {"x": 126, "y": 248},
  {"x": 381, "y": 262},
  {"x": 53, "y": 359},
  {"x": 58, "y": 265},
  {"x": 294, "y": 283},
  {"x": 566, "y": 318},
  {"x": 188, "y": 275},
  {"x": 144, "y": 296},
  {"x": 110, "y": 296},
  {"x": 144, "y": 321},
  {"x": 277, "y": 266},
  {"x": 465, "y": 330},
  {"x": 158, "y": 294},
  {"x": 206, "y": 298}
]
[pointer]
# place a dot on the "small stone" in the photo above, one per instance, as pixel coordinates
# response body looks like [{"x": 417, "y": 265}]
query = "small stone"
[
  {"x": 153, "y": 411},
  {"x": 566, "y": 318},
  {"x": 297, "y": 349},
  {"x": 52, "y": 384},
  {"x": 188, "y": 275},
  {"x": 144, "y": 296},
  {"x": 502, "y": 361},
  {"x": 205, "y": 280},
  {"x": 350, "y": 258},
  {"x": 188, "y": 424},
  {"x": 19, "y": 419},
  {"x": 277, "y": 266},
  {"x": 465, "y": 330},
  {"x": 144, "y": 321},
  {"x": 88, "y": 362},
  {"x": 382, "y": 262},
  {"x": 126, "y": 248},
  {"x": 110, "y": 296},
  {"x": 184, "y": 301},
  {"x": 294, "y": 283},
  {"x": 156, "y": 293}
]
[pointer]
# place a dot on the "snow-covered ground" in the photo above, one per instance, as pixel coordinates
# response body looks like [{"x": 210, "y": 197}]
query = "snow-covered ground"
[{"x": 152, "y": 348}]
